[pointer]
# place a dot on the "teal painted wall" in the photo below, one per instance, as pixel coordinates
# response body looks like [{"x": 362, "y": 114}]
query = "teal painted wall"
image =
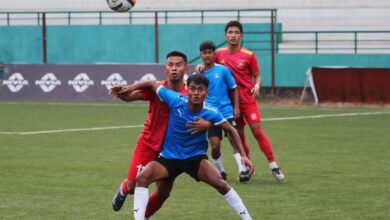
[
  {"x": 87, "y": 44},
  {"x": 20, "y": 44}
]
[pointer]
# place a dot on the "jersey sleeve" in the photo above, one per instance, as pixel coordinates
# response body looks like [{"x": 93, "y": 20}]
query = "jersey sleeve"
[
  {"x": 229, "y": 80},
  {"x": 213, "y": 115},
  {"x": 218, "y": 118},
  {"x": 254, "y": 66},
  {"x": 168, "y": 96}
]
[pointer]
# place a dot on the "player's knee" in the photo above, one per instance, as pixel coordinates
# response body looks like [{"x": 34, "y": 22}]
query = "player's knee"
[{"x": 142, "y": 180}]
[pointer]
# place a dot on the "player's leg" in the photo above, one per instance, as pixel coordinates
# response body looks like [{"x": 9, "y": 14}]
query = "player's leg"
[
  {"x": 158, "y": 197},
  {"x": 141, "y": 156},
  {"x": 208, "y": 174},
  {"x": 244, "y": 172},
  {"x": 266, "y": 147},
  {"x": 241, "y": 168},
  {"x": 152, "y": 172},
  {"x": 215, "y": 136},
  {"x": 252, "y": 116}
]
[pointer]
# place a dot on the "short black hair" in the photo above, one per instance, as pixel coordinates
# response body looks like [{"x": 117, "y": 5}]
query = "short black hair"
[
  {"x": 234, "y": 24},
  {"x": 198, "y": 79},
  {"x": 207, "y": 44},
  {"x": 177, "y": 54}
]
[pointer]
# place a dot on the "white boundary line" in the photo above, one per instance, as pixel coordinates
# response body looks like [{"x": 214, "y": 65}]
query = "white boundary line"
[
  {"x": 326, "y": 116},
  {"x": 69, "y": 130},
  {"x": 140, "y": 126}
]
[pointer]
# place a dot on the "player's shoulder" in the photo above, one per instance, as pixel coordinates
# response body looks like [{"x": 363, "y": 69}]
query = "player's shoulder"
[
  {"x": 220, "y": 66},
  {"x": 209, "y": 108},
  {"x": 246, "y": 51},
  {"x": 222, "y": 49}
]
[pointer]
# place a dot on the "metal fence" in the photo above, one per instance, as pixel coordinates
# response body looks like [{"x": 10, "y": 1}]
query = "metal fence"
[{"x": 137, "y": 17}]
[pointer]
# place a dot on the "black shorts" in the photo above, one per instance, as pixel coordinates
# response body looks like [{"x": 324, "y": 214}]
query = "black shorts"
[
  {"x": 216, "y": 131},
  {"x": 175, "y": 166}
]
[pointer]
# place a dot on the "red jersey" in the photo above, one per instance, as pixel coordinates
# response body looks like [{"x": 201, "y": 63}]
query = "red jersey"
[
  {"x": 156, "y": 122},
  {"x": 242, "y": 64}
]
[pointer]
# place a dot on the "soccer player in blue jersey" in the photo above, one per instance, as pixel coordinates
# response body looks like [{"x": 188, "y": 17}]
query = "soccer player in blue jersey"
[
  {"x": 184, "y": 151},
  {"x": 222, "y": 93}
]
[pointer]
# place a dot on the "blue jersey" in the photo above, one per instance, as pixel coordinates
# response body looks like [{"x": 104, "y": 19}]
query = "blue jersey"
[
  {"x": 220, "y": 81},
  {"x": 179, "y": 143}
]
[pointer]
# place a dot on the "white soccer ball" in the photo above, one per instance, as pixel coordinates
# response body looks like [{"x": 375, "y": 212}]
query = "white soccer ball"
[{"x": 121, "y": 5}]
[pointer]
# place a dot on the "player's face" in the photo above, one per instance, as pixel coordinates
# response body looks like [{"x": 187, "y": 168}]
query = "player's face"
[
  {"x": 233, "y": 35},
  {"x": 196, "y": 93},
  {"x": 207, "y": 56},
  {"x": 175, "y": 68}
]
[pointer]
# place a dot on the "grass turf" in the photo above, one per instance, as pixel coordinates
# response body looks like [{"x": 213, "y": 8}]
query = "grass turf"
[{"x": 336, "y": 167}]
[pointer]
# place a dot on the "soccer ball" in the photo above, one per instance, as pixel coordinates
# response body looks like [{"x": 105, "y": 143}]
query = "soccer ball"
[{"x": 121, "y": 5}]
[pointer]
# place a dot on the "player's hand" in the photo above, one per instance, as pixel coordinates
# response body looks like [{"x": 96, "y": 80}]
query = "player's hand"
[
  {"x": 199, "y": 125},
  {"x": 126, "y": 90},
  {"x": 248, "y": 163},
  {"x": 255, "y": 90},
  {"x": 113, "y": 91},
  {"x": 199, "y": 68}
]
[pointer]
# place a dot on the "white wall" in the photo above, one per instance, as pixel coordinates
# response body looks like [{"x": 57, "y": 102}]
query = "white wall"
[
  {"x": 98, "y": 5},
  {"x": 294, "y": 14}
]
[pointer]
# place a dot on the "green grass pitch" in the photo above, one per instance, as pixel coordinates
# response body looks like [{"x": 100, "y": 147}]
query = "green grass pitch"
[{"x": 336, "y": 167}]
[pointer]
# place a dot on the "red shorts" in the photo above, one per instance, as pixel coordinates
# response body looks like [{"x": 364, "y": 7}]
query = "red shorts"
[
  {"x": 250, "y": 114},
  {"x": 142, "y": 155}
]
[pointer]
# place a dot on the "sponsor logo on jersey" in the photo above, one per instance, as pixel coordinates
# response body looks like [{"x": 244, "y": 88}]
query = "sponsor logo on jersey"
[
  {"x": 253, "y": 116},
  {"x": 48, "y": 82},
  {"x": 81, "y": 82},
  {"x": 241, "y": 64},
  {"x": 15, "y": 82}
]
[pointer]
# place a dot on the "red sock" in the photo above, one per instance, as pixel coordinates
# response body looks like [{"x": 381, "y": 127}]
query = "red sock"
[
  {"x": 154, "y": 205},
  {"x": 264, "y": 144},
  {"x": 124, "y": 186}
]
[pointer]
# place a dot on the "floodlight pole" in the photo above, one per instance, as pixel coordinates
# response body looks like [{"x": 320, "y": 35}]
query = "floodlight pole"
[{"x": 44, "y": 45}]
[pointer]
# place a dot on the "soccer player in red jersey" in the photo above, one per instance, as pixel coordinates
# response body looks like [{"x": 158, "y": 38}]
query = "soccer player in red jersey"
[
  {"x": 151, "y": 138},
  {"x": 243, "y": 65}
]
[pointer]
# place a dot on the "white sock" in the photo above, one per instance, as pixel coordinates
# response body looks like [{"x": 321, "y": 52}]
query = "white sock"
[
  {"x": 241, "y": 167},
  {"x": 218, "y": 163},
  {"x": 141, "y": 197},
  {"x": 234, "y": 200},
  {"x": 273, "y": 165}
]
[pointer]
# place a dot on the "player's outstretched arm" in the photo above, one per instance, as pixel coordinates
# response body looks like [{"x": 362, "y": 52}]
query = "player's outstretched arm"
[
  {"x": 237, "y": 143},
  {"x": 141, "y": 85},
  {"x": 127, "y": 97}
]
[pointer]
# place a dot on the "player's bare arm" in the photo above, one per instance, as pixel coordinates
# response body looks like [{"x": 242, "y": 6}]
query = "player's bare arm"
[
  {"x": 199, "y": 125},
  {"x": 256, "y": 87},
  {"x": 235, "y": 99},
  {"x": 237, "y": 143},
  {"x": 125, "y": 96},
  {"x": 132, "y": 96},
  {"x": 146, "y": 84}
]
